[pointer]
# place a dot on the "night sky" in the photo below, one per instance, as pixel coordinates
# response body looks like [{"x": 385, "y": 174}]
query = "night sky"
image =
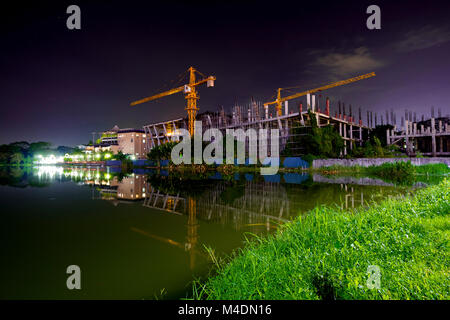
[{"x": 59, "y": 85}]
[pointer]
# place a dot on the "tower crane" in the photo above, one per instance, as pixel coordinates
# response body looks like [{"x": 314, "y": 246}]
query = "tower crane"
[
  {"x": 279, "y": 100},
  {"x": 191, "y": 95}
]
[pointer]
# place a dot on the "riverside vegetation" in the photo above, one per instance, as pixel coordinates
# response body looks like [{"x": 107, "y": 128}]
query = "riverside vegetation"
[
  {"x": 402, "y": 173},
  {"x": 325, "y": 254}
]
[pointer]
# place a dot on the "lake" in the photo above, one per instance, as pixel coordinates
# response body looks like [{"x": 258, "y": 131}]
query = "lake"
[{"x": 144, "y": 235}]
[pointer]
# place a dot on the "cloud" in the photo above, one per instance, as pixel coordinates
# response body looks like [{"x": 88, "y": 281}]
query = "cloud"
[
  {"x": 423, "y": 38},
  {"x": 343, "y": 64}
]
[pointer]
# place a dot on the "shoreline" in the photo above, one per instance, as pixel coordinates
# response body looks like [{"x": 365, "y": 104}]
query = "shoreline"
[{"x": 326, "y": 254}]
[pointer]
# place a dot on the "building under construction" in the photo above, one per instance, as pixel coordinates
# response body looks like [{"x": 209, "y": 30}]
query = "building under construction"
[
  {"x": 429, "y": 137},
  {"x": 293, "y": 122}
]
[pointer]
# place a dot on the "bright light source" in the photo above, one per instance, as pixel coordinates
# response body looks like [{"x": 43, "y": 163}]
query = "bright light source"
[{"x": 51, "y": 159}]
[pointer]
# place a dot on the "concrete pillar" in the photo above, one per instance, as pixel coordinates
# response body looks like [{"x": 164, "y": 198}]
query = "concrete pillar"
[
  {"x": 351, "y": 137},
  {"x": 433, "y": 138},
  {"x": 266, "y": 110},
  {"x": 286, "y": 108},
  {"x": 388, "y": 141},
  {"x": 313, "y": 102},
  {"x": 407, "y": 136},
  {"x": 345, "y": 140},
  {"x": 328, "y": 107},
  {"x": 360, "y": 136}
]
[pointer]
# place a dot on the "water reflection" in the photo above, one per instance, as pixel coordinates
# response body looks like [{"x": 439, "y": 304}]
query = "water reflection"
[
  {"x": 147, "y": 229},
  {"x": 245, "y": 201}
]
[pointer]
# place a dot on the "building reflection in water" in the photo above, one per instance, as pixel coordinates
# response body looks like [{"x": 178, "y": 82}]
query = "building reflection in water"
[{"x": 256, "y": 206}]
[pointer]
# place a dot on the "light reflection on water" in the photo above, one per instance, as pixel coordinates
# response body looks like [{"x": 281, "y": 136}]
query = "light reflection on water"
[{"x": 136, "y": 235}]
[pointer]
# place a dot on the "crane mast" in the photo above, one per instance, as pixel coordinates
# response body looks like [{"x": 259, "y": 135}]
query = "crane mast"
[{"x": 191, "y": 98}]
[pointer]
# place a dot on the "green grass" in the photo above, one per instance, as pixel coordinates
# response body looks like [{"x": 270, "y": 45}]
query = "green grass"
[
  {"x": 325, "y": 254},
  {"x": 433, "y": 169}
]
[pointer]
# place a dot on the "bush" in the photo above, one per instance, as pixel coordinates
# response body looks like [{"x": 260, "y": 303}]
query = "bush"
[
  {"x": 310, "y": 158},
  {"x": 399, "y": 172},
  {"x": 120, "y": 156},
  {"x": 323, "y": 142},
  {"x": 161, "y": 152}
]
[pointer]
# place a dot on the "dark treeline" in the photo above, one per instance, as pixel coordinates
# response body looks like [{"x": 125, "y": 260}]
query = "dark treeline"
[{"x": 23, "y": 152}]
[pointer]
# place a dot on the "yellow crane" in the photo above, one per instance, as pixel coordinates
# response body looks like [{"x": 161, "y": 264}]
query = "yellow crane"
[
  {"x": 190, "y": 92},
  {"x": 279, "y": 100}
]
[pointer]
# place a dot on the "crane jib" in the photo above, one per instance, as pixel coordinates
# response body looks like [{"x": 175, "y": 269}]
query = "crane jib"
[{"x": 332, "y": 85}]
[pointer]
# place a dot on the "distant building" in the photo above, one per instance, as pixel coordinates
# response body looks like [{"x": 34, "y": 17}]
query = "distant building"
[
  {"x": 130, "y": 141},
  {"x": 109, "y": 137},
  {"x": 133, "y": 142}
]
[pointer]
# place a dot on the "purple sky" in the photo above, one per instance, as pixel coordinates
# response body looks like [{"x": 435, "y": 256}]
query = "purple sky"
[{"x": 59, "y": 85}]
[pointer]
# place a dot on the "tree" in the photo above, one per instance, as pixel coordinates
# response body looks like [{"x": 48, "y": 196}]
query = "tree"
[
  {"x": 380, "y": 133},
  {"x": 161, "y": 152},
  {"x": 16, "y": 158},
  {"x": 39, "y": 147},
  {"x": 120, "y": 156},
  {"x": 322, "y": 141},
  {"x": 23, "y": 145}
]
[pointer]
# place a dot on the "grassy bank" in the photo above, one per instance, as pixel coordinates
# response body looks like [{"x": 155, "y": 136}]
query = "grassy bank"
[
  {"x": 326, "y": 253},
  {"x": 390, "y": 168},
  {"x": 397, "y": 172}
]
